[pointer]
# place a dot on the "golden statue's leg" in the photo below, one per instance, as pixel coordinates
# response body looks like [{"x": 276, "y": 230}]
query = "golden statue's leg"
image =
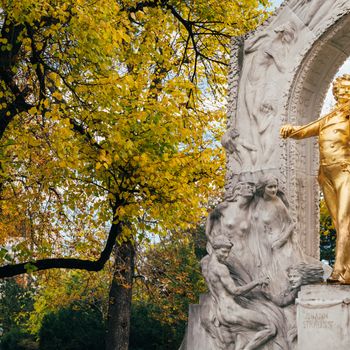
[
  {"x": 329, "y": 193},
  {"x": 331, "y": 199},
  {"x": 342, "y": 253}
]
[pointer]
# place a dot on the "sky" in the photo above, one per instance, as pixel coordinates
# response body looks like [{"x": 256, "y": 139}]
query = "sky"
[
  {"x": 345, "y": 68},
  {"x": 276, "y": 3}
]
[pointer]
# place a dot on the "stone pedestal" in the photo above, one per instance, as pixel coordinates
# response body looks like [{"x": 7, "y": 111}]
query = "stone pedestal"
[
  {"x": 323, "y": 317},
  {"x": 196, "y": 338}
]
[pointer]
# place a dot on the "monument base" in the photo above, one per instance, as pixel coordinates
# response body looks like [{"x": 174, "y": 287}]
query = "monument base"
[
  {"x": 196, "y": 338},
  {"x": 323, "y": 317}
]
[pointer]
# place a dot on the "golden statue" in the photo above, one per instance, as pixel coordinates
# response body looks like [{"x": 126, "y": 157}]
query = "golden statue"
[{"x": 333, "y": 131}]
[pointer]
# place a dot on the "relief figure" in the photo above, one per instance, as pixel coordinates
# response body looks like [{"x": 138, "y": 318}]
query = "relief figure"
[
  {"x": 298, "y": 275},
  {"x": 264, "y": 117},
  {"x": 269, "y": 51},
  {"x": 232, "y": 219},
  {"x": 272, "y": 235},
  {"x": 266, "y": 56},
  {"x": 232, "y": 318},
  {"x": 313, "y": 12},
  {"x": 242, "y": 151}
]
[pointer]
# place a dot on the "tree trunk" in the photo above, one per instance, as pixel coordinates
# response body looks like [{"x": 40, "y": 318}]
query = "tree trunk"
[{"x": 119, "y": 309}]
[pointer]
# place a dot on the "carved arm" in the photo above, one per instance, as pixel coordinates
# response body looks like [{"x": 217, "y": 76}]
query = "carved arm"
[{"x": 235, "y": 291}]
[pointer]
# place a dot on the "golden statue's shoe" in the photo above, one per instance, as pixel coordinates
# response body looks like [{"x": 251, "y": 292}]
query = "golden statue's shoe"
[
  {"x": 345, "y": 277},
  {"x": 344, "y": 281},
  {"x": 335, "y": 277}
]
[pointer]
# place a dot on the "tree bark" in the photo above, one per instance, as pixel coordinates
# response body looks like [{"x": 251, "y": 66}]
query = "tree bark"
[{"x": 119, "y": 310}]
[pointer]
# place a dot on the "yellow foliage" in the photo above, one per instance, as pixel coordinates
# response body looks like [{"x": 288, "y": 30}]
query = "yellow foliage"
[{"x": 113, "y": 122}]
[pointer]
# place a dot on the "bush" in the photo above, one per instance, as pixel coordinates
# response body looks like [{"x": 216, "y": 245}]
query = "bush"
[
  {"x": 72, "y": 329},
  {"x": 17, "y": 339},
  {"x": 148, "y": 333}
]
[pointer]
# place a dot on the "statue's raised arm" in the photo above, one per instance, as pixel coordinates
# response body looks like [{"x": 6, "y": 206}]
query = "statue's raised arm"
[{"x": 333, "y": 131}]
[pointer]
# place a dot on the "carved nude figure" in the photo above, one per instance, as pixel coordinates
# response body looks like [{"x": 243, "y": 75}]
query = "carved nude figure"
[
  {"x": 232, "y": 219},
  {"x": 223, "y": 290},
  {"x": 269, "y": 51},
  {"x": 274, "y": 241},
  {"x": 264, "y": 117},
  {"x": 266, "y": 55}
]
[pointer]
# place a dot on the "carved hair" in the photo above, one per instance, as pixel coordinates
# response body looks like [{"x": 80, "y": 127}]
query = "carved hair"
[
  {"x": 232, "y": 197},
  {"x": 221, "y": 241},
  {"x": 310, "y": 273},
  {"x": 228, "y": 140},
  {"x": 265, "y": 180},
  {"x": 262, "y": 184},
  {"x": 341, "y": 83},
  {"x": 289, "y": 28}
]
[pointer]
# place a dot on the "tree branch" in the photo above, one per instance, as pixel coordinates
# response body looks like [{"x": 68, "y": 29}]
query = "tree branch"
[{"x": 65, "y": 263}]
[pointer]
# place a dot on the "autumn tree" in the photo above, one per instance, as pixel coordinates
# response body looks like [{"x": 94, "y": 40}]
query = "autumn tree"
[
  {"x": 105, "y": 130},
  {"x": 169, "y": 276},
  {"x": 16, "y": 303},
  {"x": 95, "y": 92}
]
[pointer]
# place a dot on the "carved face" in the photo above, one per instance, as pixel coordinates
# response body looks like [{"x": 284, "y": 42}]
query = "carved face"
[
  {"x": 247, "y": 189},
  {"x": 286, "y": 32},
  {"x": 343, "y": 95},
  {"x": 222, "y": 253},
  {"x": 271, "y": 188},
  {"x": 294, "y": 278},
  {"x": 287, "y": 37},
  {"x": 244, "y": 189}
]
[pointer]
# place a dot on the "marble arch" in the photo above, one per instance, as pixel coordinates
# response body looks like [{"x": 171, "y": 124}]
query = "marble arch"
[{"x": 279, "y": 74}]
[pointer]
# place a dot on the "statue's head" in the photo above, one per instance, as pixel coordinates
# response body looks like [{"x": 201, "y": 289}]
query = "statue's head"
[
  {"x": 222, "y": 247},
  {"x": 268, "y": 185},
  {"x": 287, "y": 32},
  {"x": 304, "y": 273},
  {"x": 295, "y": 277},
  {"x": 341, "y": 89},
  {"x": 243, "y": 189}
]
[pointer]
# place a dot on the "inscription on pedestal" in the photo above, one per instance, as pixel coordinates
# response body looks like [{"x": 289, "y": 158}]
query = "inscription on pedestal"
[
  {"x": 317, "y": 320},
  {"x": 323, "y": 315}
]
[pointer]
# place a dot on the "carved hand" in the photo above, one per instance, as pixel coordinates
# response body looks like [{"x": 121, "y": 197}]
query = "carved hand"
[
  {"x": 266, "y": 294},
  {"x": 264, "y": 281},
  {"x": 286, "y": 130}
]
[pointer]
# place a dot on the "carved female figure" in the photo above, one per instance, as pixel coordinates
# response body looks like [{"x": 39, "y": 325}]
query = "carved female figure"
[
  {"x": 266, "y": 55},
  {"x": 264, "y": 117},
  {"x": 231, "y": 218},
  {"x": 269, "y": 51},
  {"x": 274, "y": 241}
]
